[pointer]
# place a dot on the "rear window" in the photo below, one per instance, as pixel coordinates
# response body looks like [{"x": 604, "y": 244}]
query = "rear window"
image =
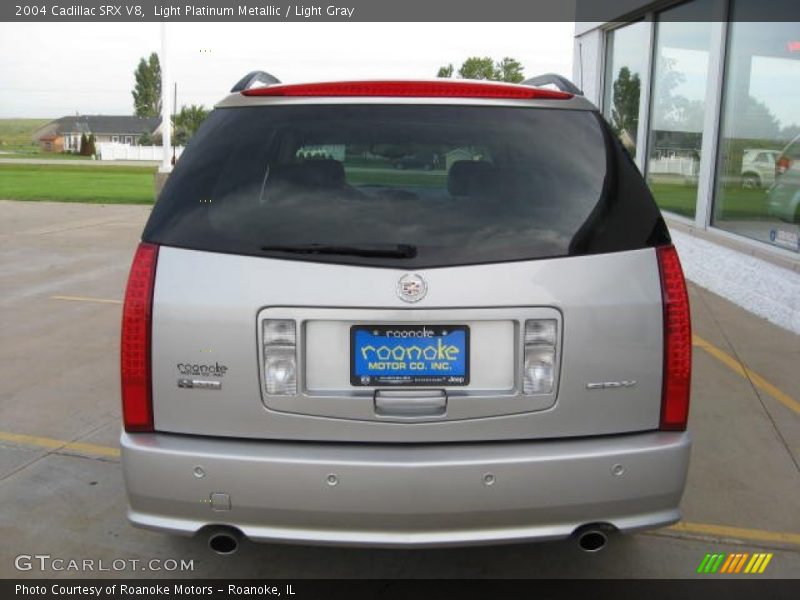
[{"x": 404, "y": 186}]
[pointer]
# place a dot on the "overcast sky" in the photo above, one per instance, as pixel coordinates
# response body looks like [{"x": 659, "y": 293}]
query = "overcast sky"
[{"x": 54, "y": 69}]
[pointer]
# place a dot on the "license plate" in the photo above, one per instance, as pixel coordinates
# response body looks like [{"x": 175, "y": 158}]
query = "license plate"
[{"x": 396, "y": 355}]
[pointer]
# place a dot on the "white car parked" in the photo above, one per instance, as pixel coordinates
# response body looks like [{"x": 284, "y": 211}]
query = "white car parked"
[{"x": 758, "y": 168}]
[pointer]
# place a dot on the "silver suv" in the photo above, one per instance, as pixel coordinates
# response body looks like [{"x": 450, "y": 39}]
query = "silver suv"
[{"x": 490, "y": 345}]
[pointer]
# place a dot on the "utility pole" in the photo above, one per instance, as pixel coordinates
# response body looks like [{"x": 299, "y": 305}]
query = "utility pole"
[{"x": 166, "y": 121}]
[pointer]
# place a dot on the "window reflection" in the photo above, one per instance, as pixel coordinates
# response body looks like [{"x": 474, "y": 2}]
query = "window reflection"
[
  {"x": 678, "y": 106},
  {"x": 626, "y": 61},
  {"x": 758, "y": 174}
]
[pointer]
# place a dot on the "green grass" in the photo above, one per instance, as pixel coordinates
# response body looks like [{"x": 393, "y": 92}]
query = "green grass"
[
  {"x": 15, "y": 137},
  {"x": 77, "y": 183},
  {"x": 73, "y": 182},
  {"x": 734, "y": 201},
  {"x": 15, "y": 140},
  {"x": 23, "y": 152},
  {"x": 675, "y": 197},
  {"x": 18, "y": 132}
]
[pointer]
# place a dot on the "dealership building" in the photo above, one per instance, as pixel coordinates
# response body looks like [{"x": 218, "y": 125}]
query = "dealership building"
[{"x": 706, "y": 98}]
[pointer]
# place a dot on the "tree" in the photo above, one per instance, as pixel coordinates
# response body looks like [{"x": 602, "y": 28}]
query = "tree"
[
  {"x": 510, "y": 70},
  {"x": 667, "y": 107},
  {"x": 150, "y": 139},
  {"x": 445, "y": 72},
  {"x": 625, "y": 103},
  {"x": 789, "y": 132},
  {"x": 147, "y": 91},
  {"x": 84, "y": 148},
  {"x": 755, "y": 120},
  {"x": 483, "y": 67},
  {"x": 478, "y": 68},
  {"x": 691, "y": 114},
  {"x": 91, "y": 149},
  {"x": 187, "y": 121}
]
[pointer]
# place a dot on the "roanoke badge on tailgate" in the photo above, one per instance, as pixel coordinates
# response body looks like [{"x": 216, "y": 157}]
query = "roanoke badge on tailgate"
[{"x": 204, "y": 370}]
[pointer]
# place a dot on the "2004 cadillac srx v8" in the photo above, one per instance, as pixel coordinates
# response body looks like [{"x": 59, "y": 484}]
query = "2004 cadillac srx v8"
[{"x": 401, "y": 313}]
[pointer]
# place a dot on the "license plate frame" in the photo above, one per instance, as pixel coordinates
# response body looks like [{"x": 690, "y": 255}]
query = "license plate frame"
[{"x": 446, "y": 362}]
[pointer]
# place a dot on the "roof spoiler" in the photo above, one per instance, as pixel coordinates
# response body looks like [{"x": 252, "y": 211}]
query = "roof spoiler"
[
  {"x": 253, "y": 78},
  {"x": 266, "y": 79},
  {"x": 562, "y": 83}
]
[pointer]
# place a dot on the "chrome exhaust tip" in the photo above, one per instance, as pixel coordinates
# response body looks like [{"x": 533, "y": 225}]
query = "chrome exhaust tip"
[
  {"x": 224, "y": 541},
  {"x": 591, "y": 538}
]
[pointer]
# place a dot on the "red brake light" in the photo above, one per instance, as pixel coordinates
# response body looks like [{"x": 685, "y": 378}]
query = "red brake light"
[
  {"x": 137, "y": 405},
  {"x": 420, "y": 89},
  {"x": 677, "y": 342}
]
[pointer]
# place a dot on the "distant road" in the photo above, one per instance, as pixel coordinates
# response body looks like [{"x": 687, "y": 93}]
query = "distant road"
[{"x": 90, "y": 163}]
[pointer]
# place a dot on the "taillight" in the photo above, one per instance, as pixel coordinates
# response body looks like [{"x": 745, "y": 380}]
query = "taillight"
[
  {"x": 414, "y": 89},
  {"x": 539, "y": 356},
  {"x": 137, "y": 405},
  {"x": 782, "y": 164},
  {"x": 280, "y": 357},
  {"x": 677, "y": 342}
]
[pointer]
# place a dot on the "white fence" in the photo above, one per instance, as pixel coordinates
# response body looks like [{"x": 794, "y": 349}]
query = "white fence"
[
  {"x": 677, "y": 165},
  {"x": 117, "y": 151}
]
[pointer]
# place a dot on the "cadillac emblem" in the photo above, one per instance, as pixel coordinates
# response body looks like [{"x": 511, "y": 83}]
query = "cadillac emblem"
[{"x": 411, "y": 288}]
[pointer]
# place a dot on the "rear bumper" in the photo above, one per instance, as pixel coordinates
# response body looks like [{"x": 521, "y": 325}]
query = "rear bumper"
[{"x": 413, "y": 495}]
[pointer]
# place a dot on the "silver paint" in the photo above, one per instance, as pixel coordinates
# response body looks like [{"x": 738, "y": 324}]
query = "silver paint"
[
  {"x": 608, "y": 307},
  {"x": 417, "y": 495}
]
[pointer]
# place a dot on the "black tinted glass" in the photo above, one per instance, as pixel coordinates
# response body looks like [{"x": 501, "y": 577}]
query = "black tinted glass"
[{"x": 395, "y": 185}]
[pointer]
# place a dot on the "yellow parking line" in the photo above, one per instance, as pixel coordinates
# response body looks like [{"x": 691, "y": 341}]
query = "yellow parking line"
[
  {"x": 86, "y": 299},
  {"x": 736, "y": 533},
  {"x": 740, "y": 369},
  {"x": 52, "y": 444}
]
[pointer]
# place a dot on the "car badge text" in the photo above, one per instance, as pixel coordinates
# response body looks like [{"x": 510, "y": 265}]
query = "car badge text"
[{"x": 605, "y": 385}]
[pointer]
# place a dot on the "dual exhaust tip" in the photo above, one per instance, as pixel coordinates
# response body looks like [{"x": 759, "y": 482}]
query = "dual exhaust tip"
[{"x": 590, "y": 538}]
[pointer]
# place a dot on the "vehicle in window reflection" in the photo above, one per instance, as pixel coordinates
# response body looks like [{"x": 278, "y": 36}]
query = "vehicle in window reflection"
[
  {"x": 758, "y": 168},
  {"x": 426, "y": 162},
  {"x": 783, "y": 199}
]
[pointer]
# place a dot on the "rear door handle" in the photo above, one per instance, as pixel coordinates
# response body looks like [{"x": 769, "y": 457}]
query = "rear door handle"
[{"x": 410, "y": 404}]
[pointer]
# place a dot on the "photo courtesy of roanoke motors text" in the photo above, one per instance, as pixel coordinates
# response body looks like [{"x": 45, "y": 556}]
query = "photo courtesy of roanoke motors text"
[{"x": 382, "y": 299}]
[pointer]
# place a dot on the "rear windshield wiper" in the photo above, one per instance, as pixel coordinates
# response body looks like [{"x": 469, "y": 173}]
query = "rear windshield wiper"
[{"x": 372, "y": 250}]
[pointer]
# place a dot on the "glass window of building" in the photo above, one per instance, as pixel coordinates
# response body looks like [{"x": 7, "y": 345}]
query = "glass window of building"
[
  {"x": 680, "y": 79},
  {"x": 626, "y": 62},
  {"x": 758, "y": 171}
]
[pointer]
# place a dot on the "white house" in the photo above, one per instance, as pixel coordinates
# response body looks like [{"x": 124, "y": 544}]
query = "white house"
[{"x": 64, "y": 134}]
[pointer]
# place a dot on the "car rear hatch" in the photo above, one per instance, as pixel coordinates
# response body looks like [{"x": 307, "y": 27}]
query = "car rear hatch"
[{"x": 307, "y": 289}]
